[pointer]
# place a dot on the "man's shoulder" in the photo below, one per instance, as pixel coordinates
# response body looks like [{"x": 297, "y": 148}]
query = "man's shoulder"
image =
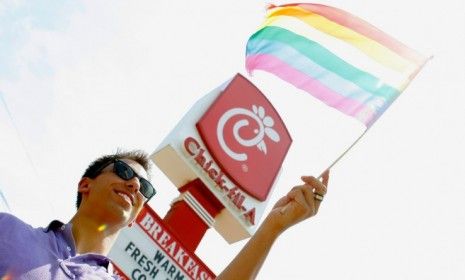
[
  {"x": 10, "y": 218},
  {"x": 9, "y": 222}
]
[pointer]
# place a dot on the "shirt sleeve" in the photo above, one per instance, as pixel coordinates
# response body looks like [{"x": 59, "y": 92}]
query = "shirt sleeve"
[{"x": 11, "y": 230}]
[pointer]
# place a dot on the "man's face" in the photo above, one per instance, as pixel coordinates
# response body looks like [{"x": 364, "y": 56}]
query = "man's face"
[{"x": 114, "y": 199}]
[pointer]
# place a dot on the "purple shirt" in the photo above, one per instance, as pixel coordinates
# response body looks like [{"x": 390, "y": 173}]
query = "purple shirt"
[{"x": 45, "y": 253}]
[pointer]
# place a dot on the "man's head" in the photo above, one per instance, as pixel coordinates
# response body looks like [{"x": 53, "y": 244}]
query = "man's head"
[
  {"x": 114, "y": 188},
  {"x": 96, "y": 167}
]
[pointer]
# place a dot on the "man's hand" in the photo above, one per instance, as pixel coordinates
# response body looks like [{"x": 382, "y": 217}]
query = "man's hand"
[{"x": 299, "y": 204}]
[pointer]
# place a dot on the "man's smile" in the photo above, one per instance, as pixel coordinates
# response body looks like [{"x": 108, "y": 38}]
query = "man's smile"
[{"x": 126, "y": 196}]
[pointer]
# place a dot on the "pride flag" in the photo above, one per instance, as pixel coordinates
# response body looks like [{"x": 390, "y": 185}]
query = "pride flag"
[{"x": 335, "y": 56}]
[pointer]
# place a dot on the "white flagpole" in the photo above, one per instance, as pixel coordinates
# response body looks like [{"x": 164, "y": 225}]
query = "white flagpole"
[
  {"x": 366, "y": 130},
  {"x": 360, "y": 137},
  {"x": 344, "y": 153},
  {"x": 335, "y": 161}
]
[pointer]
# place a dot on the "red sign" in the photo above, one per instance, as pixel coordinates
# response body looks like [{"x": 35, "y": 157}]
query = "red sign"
[{"x": 246, "y": 137}]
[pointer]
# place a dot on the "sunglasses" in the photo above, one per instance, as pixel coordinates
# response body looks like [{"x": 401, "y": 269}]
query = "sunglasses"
[{"x": 125, "y": 172}]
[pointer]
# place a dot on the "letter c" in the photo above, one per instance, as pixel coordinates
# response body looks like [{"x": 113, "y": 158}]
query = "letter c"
[
  {"x": 137, "y": 275},
  {"x": 187, "y": 145}
]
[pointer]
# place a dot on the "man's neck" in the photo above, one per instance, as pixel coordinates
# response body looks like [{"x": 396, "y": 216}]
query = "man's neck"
[{"x": 91, "y": 236}]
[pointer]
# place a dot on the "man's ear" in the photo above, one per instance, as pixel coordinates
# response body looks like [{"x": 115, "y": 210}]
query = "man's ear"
[{"x": 84, "y": 185}]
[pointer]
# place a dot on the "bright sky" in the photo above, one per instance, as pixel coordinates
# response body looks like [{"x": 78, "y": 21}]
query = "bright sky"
[{"x": 81, "y": 78}]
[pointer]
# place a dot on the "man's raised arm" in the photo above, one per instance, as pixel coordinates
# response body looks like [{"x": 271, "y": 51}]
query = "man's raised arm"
[{"x": 301, "y": 203}]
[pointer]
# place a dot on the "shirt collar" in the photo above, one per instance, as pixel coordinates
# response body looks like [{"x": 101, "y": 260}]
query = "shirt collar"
[
  {"x": 65, "y": 233},
  {"x": 54, "y": 226},
  {"x": 65, "y": 229}
]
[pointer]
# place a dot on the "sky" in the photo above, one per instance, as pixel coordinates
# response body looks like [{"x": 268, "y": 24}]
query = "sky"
[{"x": 79, "y": 79}]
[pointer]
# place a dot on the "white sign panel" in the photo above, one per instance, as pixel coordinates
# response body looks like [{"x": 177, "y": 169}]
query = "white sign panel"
[{"x": 148, "y": 250}]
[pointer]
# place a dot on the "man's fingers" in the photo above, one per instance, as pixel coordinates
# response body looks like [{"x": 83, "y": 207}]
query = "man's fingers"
[
  {"x": 308, "y": 195},
  {"x": 319, "y": 188},
  {"x": 298, "y": 195},
  {"x": 315, "y": 184}
]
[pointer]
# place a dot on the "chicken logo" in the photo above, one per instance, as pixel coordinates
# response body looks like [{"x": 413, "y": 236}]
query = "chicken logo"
[
  {"x": 246, "y": 137},
  {"x": 265, "y": 124}
]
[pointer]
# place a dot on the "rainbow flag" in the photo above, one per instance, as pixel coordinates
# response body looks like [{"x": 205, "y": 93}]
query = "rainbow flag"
[{"x": 337, "y": 57}]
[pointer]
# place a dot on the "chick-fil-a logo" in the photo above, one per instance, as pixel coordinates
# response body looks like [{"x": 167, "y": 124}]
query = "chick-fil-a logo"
[
  {"x": 245, "y": 136},
  {"x": 265, "y": 124}
]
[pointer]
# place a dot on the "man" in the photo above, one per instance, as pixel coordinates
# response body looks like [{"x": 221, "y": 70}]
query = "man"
[{"x": 111, "y": 193}]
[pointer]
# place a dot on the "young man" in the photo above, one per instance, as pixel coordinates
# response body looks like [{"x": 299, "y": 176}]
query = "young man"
[{"x": 111, "y": 193}]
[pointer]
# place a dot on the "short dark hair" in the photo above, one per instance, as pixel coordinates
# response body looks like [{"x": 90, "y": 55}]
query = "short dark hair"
[{"x": 93, "y": 170}]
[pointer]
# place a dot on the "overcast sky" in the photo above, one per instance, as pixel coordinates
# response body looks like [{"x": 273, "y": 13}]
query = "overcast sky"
[{"x": 80, "y": 78}]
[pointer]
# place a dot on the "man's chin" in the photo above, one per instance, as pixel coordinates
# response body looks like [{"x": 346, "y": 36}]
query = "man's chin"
[{"x": 120, "y": 214}]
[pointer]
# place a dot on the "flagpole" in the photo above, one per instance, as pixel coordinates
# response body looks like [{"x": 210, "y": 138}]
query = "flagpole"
[
  {"x": 344, "y": 153},
  {"x": 360, "y": 137},
  {"x": 366, "y": 130},
  {"x": 335, "y": 161}
]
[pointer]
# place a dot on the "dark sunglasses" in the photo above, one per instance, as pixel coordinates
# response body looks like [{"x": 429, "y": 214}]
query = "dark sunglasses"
[{"x": 125, "y": 172}]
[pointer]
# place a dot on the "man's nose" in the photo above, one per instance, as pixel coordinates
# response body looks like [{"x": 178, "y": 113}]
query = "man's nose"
[{"x": 133, "y": 184}]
